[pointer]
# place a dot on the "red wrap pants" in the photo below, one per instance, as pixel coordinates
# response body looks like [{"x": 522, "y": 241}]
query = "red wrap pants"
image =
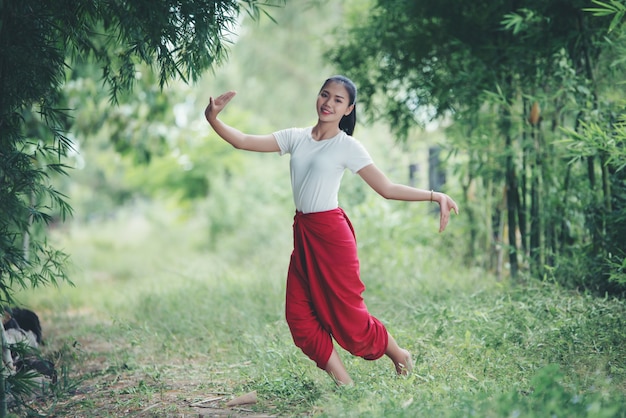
[{"x": 324, "y": 289}]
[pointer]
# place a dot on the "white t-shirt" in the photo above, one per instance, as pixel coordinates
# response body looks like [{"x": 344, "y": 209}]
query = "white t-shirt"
[{"x": 317, "y": 167}]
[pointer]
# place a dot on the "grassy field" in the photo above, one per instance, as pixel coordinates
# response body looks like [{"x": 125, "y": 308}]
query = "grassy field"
[{"x": 166, "y": 321}]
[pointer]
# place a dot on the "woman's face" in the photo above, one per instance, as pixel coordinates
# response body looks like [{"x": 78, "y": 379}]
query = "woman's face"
[{"x": 333, "y": 102}]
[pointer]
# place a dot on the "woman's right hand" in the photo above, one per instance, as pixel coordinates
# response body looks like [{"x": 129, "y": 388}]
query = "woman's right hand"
[{"x": 216, "y": 105}]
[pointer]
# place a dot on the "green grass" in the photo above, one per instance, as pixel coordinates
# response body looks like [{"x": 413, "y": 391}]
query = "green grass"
[{"x": 162, "y": 316}]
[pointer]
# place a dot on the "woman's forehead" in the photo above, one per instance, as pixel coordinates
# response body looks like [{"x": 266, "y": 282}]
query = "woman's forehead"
[{"x": 336, "y": 88}]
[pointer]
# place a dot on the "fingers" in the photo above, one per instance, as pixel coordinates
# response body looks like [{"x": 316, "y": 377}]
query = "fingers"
[
  {"x": 447, "y": 206},
  {"x": 207, "y": 110},
  {"x": 455, "y": 207},
  {"x": 216, "y": 105},
  {"x": 452, "y": 205},
  {"x": 223, "y": 99},
  {"x": 443, "y": 220}
]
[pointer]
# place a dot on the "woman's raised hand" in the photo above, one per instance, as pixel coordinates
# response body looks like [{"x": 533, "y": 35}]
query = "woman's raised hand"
[{"x": 216, "y": 105}]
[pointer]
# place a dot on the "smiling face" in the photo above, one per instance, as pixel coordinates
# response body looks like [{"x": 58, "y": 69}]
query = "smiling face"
[{"x": 333, "y": 102}]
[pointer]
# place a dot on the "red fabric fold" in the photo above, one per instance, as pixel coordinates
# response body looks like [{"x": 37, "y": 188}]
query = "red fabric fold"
[{"x": 323, "y": 300}]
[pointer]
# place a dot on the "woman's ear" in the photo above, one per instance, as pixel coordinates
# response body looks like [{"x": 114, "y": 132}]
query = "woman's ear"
[{"x": 349, "y": 110}]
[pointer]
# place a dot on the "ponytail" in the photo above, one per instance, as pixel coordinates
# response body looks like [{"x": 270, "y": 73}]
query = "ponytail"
[{"x": 348, "y": 122}]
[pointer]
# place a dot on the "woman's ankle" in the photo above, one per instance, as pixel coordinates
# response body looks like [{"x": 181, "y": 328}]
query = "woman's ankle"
[{"x": 337, "y": 370}]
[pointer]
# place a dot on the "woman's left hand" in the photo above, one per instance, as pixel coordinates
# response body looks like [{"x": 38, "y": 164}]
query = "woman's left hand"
[{"x": 446, "y": 205}]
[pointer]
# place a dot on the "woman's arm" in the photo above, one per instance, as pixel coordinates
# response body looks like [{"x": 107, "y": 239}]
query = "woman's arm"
[
  {"x": 238, "y": 139},
  {"x": 378, "y": 181}
]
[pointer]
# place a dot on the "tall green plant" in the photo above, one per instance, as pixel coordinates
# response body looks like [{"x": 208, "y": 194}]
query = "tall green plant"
[{"x": 604, "y": 138}]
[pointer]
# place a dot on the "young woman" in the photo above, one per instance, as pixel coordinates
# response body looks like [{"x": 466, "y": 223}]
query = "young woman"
[{"x": 323, "y": 300}]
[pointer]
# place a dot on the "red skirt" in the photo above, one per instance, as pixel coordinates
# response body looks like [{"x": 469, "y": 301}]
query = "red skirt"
[{"x": 324, "y": 288}]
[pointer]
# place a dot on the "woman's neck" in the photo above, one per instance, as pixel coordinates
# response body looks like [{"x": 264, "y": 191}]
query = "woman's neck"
[{"x": 323, "y": 131}]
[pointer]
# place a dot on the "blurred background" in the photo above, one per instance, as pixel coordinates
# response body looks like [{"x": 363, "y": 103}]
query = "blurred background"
[{"x": 153, "y": 188}]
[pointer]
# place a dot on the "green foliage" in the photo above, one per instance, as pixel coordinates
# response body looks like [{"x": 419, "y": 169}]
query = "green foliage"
[
  {"x": 615, "y": 8},
  {"x": 549, "y": 396},
  {"x": 31, "y": 147},
  {"x": 508, "y": 82},
  {"x": 603, "y": 139},
  {"x": 39, "y": 42}
]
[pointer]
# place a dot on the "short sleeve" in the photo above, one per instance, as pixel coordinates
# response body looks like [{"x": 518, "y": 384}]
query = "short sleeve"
[
  {"x": 284, "y": 138},
  {"x": 359, "y": 157}
]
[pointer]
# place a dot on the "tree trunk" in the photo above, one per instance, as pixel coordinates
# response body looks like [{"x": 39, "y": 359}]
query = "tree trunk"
[
  {"x": 565, "y": 237},
  {"x": 606, "y": 183},
  {"x": 522, "y": 203},
  {"x": 535, "y": 223},
  {"x": 511, "y": 204}
]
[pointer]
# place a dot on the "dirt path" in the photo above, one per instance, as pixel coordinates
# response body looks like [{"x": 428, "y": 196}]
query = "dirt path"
[{"x": 94, "y": 383}]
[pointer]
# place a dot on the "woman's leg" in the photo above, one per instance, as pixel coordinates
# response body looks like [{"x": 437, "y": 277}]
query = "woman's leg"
[
  {"x": 401, "y": 358},
  {"x": 337, "y": 370}
]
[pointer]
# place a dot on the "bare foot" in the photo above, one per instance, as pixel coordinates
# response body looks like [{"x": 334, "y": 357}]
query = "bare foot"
[
  {"x": 401, "y": 358},
  {"x": 404, "y": 366}
]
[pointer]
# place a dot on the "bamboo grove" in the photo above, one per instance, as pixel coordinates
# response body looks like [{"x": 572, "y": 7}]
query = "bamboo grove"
[{"x": 532, "y": 93}]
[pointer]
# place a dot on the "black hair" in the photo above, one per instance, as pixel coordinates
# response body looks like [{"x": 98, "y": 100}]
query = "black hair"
[{"x": 348, "y": 122}]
